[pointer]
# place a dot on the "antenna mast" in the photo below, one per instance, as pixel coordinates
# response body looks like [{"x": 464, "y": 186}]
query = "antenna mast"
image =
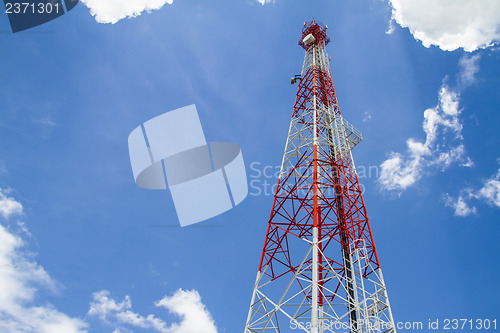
[{"x": 319, "y": 270}]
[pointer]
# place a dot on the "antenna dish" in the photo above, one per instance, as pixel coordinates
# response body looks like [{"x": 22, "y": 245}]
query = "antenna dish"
[{"x": 309, "y": 39}]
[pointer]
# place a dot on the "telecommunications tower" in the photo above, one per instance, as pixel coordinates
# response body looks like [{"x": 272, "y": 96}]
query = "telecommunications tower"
[{"x": 319, "y": 270}]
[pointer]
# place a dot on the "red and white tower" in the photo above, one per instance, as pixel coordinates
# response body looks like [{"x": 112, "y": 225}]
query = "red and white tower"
[{"x": 319, "y": 270}]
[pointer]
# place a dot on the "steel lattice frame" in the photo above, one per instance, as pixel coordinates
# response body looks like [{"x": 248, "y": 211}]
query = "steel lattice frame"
[{"x": 319, "y": 270}]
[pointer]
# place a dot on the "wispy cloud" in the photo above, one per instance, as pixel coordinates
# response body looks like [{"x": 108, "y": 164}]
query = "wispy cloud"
[
  {"x": 3, "y": 167},
  {"x": 460, "y": 205},
  {"x": 443, "y": 144},
  {"x": 449, "y": 24},
  {"x": 263, "y": 2},
  {"x": 9, "y": 206},
  {"x": 400, "y": 171},
  {"x": 443, "y": 147},
  {"x": 112, "y": 11},
  {"x": 46, "y": 121},
  {"x": 489, "y": 193},
  {"x": 195, "y": 318},
  {"x": 46, "y": 126},
  {"x": 469, "y": 68},
  {"x": 366, "y": 116},
  {"x": 20, "y": 278}
]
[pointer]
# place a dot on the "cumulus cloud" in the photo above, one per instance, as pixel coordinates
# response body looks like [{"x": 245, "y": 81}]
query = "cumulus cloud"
[
  {"x": 112, "y": 11},
  {"x": 195, "y": 318},
  {"x": 20, "y": 278},
  {"x": 449, "y": 24}
]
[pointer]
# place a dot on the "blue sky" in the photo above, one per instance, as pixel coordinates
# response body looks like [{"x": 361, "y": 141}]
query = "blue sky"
[{"x": 85, "y": 250}]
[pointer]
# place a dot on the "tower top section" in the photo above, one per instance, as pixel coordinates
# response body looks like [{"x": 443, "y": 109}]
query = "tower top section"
[{"x": 314, "y": 33}]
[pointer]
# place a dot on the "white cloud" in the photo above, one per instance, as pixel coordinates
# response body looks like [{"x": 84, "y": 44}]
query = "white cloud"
[
  {"x": 8, "y": 205},
  {"x": 366, "y": 116},
  {"x": 450, "y": 24},
  {"x": 443, "y": 137},
  {"x": 399, "y": 172},
  {"x": 112, "y": 11},
  {"x": 489, "y": 192},
  {"x": 3, "y": 167},
  {"x": 45, "y": 121},
  {"x": 195, "y": 318},
  {"x": 108, "y": 310},
  {"x": 263, "y": 2},
  {"x": 468, "y": 69},
  {"x": 188, "y": 305},
  {"x": 20, "y": 276},
  {"x": 460, "y": 205}
]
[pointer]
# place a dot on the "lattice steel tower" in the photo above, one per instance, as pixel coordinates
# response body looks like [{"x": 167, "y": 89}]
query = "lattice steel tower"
[{"x": 319, "y": 270}]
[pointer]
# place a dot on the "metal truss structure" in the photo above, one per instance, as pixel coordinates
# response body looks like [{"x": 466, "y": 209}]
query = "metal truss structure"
[{"x": 319, "y": 270}]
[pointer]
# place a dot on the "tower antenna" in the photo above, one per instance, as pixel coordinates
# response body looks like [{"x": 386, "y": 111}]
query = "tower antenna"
[{"x": 319, "y": 270}]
